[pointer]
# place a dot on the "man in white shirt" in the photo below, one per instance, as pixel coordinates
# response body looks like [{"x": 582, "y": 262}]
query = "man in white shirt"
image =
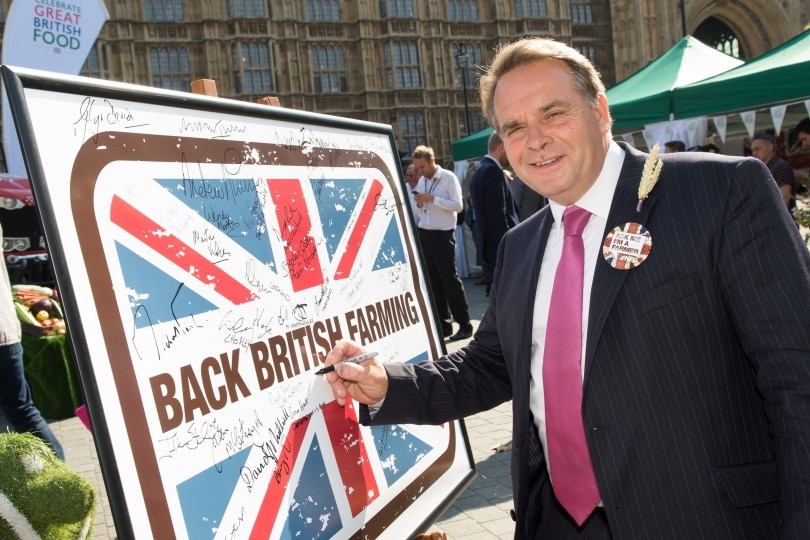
[{"x": 438, "y": 200}]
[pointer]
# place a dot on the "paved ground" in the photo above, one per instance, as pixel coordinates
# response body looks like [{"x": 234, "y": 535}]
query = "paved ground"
[{"x": 480, "y": 513}]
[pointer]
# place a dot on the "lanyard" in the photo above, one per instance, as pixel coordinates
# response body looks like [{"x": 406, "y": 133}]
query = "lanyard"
[{"x": 433, "y": 185}]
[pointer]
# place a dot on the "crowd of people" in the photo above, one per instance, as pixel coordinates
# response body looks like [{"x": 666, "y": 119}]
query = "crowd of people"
[{"x": 496, "y": 200}]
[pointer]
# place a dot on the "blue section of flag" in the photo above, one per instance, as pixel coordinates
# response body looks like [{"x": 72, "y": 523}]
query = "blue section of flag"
[
  {"x": 232, "y": 207},
  {"x": 418, "y": 358},
  {"x": 392, "y": 251},
  {"x": 336, "y": 201},
  {"x": 313, "y": 510},
  {"x": 155, "y": 296},
  {"x": 205, "y": 497},
  {"x": 398, "y": 449}
]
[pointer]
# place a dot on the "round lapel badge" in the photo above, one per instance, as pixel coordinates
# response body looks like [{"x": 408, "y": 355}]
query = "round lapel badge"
[{"x": 627, "y": 246}]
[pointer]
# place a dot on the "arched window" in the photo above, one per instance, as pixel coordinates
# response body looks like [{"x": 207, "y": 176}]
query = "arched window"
[
  {"x": 323, "y": 10},
  {"x": 581, "y": 13},
  {"x": 96, "y": 65},
  {"x": 717, "y": 34},
  {"x": 402, "y": 65},
  {"x": 588, "y": 51},
  {"x": 163, "y": 10},
  {"x": 396, "y": 9},
  {"x": 466, "y": 57},
  {"x": 462, "y": 10},
  {"x": 246, "y": 8},
  {"x": 531, "y": 8},
  {"x": 251, "y": 66},
  {"x": 328, "y": 69},
  {"x": 412, "y": 131},
  {"x": 170, "y": 68}
]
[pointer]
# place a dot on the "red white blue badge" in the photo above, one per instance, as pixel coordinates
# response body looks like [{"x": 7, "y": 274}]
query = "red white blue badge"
[{"x": 627, "y": 246}]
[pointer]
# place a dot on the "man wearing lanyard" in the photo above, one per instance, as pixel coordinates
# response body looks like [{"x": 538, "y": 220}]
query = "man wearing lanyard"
[{"x": 438, "y": 199}]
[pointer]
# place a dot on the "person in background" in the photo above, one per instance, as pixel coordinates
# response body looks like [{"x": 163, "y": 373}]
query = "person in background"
[
  {"x": 527, "y": 200},
  {"x": 649, "y": 327},
  {"x": 493, "y": 204},
  {"x": 671, "y": 147},
  {"x": 411, "y": 176},
  {"x": 799, "y": 156},
  {"x": 16, "y": 402},
  {"x": 412, "y": 179},
  {"x": 438, "y": 199},
  {"x": 763, "y": 147}
]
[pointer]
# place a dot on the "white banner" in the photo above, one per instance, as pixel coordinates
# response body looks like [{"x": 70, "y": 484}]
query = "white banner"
[
  {"x": 692, "y": 131},
  {"x": 721, "y": 122},
  {"x": 749, "y": 119},
  {"x": 52, "y": 35},
  {"x": 778, "y": 116}
]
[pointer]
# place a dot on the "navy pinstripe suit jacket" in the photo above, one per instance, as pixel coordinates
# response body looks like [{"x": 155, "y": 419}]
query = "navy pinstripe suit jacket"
[{"x": 697, "y": 381}]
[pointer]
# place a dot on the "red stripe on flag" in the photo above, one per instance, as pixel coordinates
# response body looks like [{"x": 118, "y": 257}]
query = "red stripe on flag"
[
  {"x": 344, "y": 268},
  {"x": 295, "y": 227},
  {"x": 352, "y": 458},
  {"x": 279, "y": 483},
  {"x": 176, "y": 251}
]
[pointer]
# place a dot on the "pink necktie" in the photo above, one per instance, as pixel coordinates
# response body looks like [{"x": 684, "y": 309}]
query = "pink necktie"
[{"x": 569, "y": 461}]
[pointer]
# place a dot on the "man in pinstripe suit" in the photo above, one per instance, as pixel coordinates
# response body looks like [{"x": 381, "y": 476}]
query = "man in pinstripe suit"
[{"x": 695, "y": 356}]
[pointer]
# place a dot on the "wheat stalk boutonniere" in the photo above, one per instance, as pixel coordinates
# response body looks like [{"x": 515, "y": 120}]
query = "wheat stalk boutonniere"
[{"x": 649, "y": 176}]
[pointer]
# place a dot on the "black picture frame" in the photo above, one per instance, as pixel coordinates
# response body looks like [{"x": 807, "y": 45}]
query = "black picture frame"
[{"x": 128, "y": 180}]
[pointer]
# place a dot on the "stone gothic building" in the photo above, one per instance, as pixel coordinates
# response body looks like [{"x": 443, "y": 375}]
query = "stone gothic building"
[{"x": 412, "y": 64}]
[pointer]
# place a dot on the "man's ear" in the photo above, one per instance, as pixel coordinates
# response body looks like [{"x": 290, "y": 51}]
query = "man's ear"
[{"x": 603, "y": 112}]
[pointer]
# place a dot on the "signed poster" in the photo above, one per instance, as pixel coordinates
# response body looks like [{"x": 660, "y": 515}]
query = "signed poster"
[{"x": 209, "y": 253}]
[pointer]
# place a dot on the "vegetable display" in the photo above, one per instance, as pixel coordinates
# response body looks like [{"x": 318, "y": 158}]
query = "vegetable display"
[{"x": 38, "y": 310}]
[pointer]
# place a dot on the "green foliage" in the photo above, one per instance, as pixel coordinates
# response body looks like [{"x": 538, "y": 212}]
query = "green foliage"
[
  {"x": 58, "y": 503},
  {"x": 801, "y": 214}
]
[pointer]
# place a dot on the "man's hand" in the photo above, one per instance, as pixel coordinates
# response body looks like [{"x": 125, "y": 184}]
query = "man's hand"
[
  {"x": 422, "y": 198},
  {"x": 366, "y": 382}
]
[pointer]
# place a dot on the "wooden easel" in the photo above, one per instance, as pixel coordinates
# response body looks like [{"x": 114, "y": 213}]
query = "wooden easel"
[{"x": 208, "y": 87}]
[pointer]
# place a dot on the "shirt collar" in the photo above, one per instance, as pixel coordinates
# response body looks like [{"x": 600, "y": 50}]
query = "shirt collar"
[
  {"x": 495, "y": 160},
  {"x": 598, "y": 198}
]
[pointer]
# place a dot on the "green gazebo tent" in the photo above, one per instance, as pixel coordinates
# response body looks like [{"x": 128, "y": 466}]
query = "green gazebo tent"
[
  {"x": 643, "y": 98},
  {"x": 472, "y": 146},
  {"x": 646, "y": 96},
  {"x": 780, "y": 75}
]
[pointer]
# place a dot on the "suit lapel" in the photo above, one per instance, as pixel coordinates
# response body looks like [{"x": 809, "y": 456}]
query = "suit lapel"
[
  {"x": 536, "y": 246},
  {"x": 608, "y": 281}
]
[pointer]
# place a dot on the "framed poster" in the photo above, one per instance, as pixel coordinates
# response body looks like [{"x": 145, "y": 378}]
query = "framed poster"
[{"x": 209, "y": 252}]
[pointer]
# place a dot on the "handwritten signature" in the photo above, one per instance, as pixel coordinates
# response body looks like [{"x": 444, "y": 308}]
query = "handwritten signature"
[{"x": 94, "y": 115}]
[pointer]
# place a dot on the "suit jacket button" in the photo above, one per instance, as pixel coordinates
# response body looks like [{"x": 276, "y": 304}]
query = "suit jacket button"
[{"x": 512, "y": 513}]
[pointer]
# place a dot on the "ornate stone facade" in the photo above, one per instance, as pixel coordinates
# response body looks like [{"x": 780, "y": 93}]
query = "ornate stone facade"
[{"x": 399, "y": 62}]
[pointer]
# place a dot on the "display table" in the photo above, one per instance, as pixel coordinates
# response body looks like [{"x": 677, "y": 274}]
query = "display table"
[{"x": 49, "y": 368}]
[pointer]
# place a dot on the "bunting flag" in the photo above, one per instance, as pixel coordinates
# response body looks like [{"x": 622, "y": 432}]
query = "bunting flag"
[{"x": 778, "y": 116}]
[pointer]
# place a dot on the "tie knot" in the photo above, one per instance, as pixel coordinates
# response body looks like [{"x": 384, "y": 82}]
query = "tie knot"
[{"x": 575, "y": 219}]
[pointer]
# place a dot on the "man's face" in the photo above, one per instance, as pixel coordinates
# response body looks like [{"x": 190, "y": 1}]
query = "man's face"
[
  {"x": 804, "y": 139},
  {"x": 411, "y": 176},
  {"x": 554, "y": 139},
  {"x": 424, "y": 167},
  {"x": 762, "y": 150}
]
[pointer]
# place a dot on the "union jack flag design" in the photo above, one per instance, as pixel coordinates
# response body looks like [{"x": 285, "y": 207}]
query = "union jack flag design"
[
  {"x": 214, "y": 252},
  {"x": 299, "y": 236},
  {"x": 338, "y": 198}
]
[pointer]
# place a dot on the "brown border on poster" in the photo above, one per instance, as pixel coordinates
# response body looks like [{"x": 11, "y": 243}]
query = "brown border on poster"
[{"x": 129, "y": 146}]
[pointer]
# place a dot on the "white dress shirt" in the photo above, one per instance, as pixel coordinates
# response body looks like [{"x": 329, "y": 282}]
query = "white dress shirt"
[
  {"x": 597, "y": 201},
  {"x": 440, "y": 215}
]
